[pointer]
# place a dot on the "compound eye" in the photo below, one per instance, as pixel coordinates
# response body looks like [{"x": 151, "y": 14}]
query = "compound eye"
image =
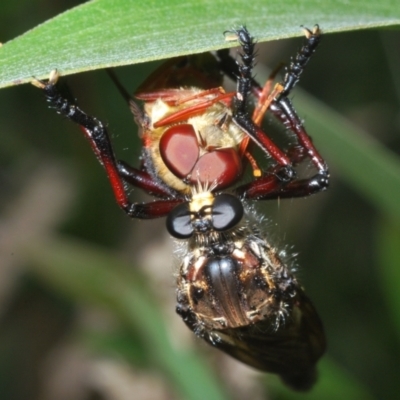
[
  {"x": 179, "y": 149},
  {"x": 227, "y": 212},
  {"x": 179, "y": 223}
]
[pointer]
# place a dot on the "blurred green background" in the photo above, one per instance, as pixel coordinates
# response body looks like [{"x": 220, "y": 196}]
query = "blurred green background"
[{"x": 87, "y": 296}]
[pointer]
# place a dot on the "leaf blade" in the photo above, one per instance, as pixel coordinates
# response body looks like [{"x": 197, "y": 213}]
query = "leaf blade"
[{"x": 109, "y": 33}]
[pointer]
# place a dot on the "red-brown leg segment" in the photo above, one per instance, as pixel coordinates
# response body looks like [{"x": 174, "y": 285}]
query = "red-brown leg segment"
[
  {"x": 265, "y": 96},
  {"x": 284, "y": 111},
  {"x": 270, "y": 186},
  {"x": 143, "y": 180}
]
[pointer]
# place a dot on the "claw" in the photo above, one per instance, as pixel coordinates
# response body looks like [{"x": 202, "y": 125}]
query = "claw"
[
  {"x": 53, "y": 78},
  {"x": 315, "y": 32},
  {"x": 231, "y": 36}
]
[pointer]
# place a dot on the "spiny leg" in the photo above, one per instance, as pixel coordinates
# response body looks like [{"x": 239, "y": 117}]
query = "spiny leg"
[
  {"x": 282, "y": 108},
  {"x": 299, "y": 62},
  {"x": 241, "y": 114},
  {"x": 278, "y": 181},
  {"x": 98, "y": 137}
]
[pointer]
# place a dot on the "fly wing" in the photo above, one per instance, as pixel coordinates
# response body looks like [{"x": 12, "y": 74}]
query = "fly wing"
[{"x": 290, "y": 350}]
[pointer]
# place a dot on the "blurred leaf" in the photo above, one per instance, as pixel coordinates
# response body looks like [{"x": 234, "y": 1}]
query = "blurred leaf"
[
  {"x": 93, "y": 275},
  {"x": 333, "y": 383},
  {"x": 388, "y": 253},
  {"x": 117, "y": 342},
  {"x": 104, "y": 33},
  {"x": 364, "y": 163}
]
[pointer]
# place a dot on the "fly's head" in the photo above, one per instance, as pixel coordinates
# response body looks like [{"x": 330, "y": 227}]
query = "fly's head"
[{"x": 192, "y": 139}]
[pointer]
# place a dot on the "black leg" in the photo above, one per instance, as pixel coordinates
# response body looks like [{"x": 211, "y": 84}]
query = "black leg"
[
  {"x": 299, "y": 62},
  {"x": 241, "y": 114},
  {"x": 280, "y": 180}
]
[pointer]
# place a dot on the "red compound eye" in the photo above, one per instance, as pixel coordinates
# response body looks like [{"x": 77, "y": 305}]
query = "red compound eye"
[
  {"x": 222, "y": 166},
  {"x": 179, "y": 149}
]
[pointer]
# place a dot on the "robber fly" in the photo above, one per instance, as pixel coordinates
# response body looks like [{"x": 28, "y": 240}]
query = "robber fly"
[{"x": 235, "y": 289}]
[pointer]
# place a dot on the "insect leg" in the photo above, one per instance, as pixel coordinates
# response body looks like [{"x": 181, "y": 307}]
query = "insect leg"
[
  {"x": 98, "y": 137},
  {"x": 300, "y": 61},
  {"x": 241, "y": 115}
]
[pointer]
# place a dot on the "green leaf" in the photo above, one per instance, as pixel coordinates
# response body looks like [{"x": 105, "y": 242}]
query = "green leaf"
[
  {"x": 388, "y": 254},
  {"x": 364, "y": 162},
  {"x": 105, "y": 33},
  {"x": 93, "y": 275}
]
